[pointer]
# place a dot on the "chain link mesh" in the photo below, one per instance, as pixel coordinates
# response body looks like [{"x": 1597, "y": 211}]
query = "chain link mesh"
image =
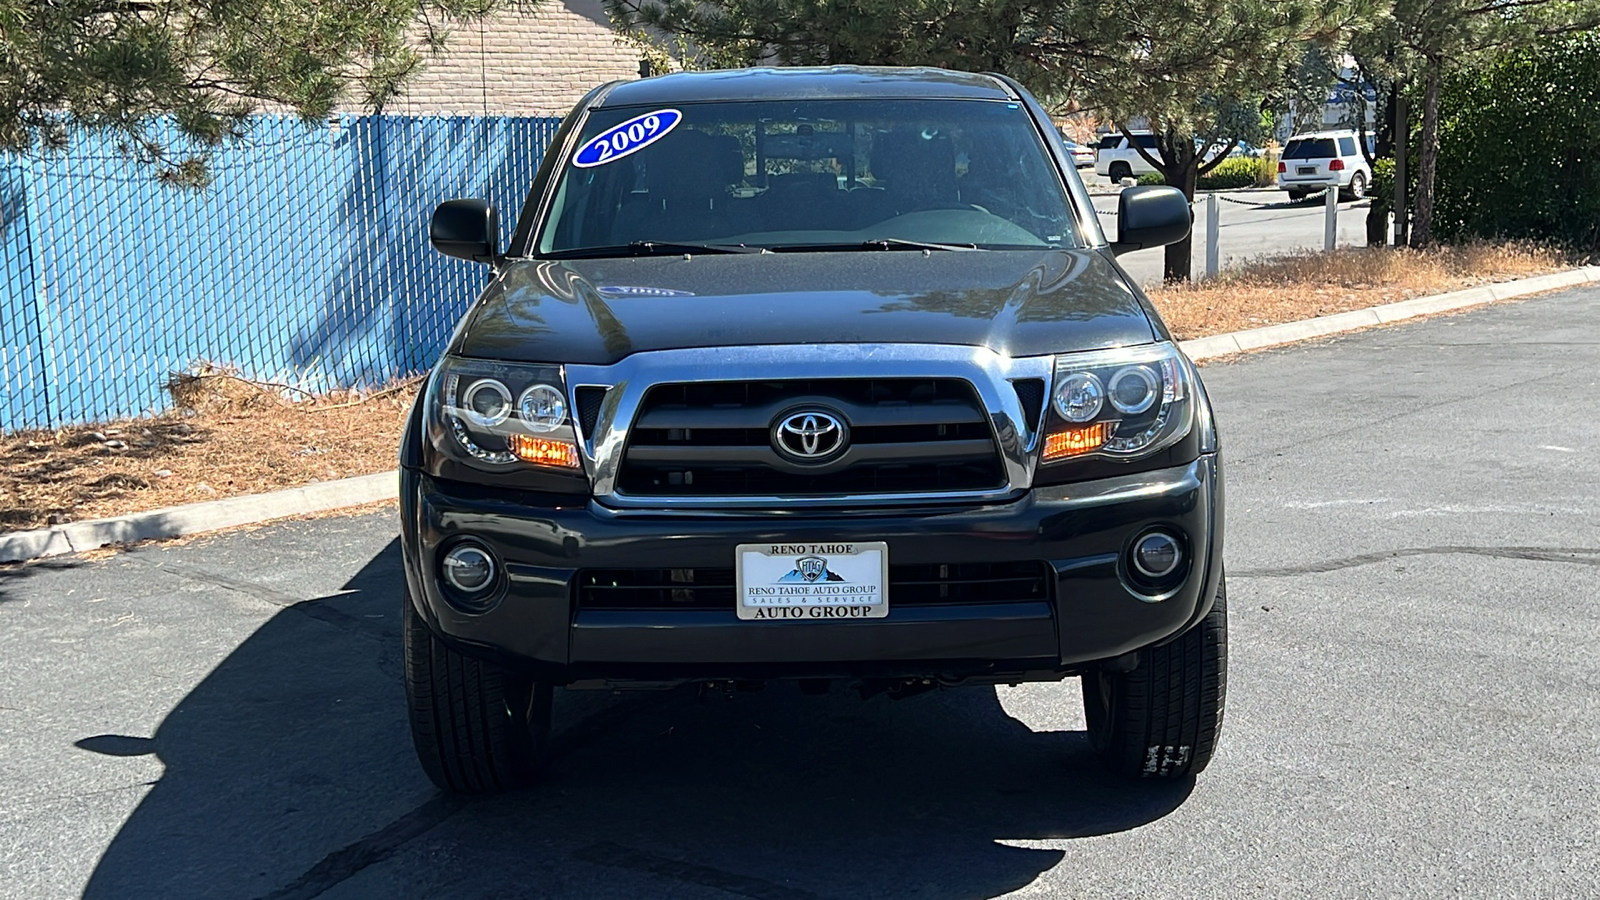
[{"x": 305, "y": 261}]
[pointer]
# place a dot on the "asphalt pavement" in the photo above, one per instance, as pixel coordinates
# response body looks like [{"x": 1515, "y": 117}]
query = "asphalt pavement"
[
  {"x": 1413, "y": 708},
  {"x": 1250, "y": 225}
]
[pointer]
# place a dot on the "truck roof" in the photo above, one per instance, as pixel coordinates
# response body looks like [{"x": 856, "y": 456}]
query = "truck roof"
[{"x": 805, "y": 83}]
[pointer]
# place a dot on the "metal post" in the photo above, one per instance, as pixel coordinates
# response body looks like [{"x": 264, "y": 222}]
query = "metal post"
[
  {"x": 1212, "y": 230},
  {"x": 1402, "y": 141},
  {"x": 1330, "y": 228}
]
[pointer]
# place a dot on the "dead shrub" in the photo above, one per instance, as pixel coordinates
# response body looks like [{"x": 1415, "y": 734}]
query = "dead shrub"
[{"x": 1312, "y": 283}]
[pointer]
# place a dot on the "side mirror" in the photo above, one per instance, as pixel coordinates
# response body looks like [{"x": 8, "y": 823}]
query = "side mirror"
[
  {"x": 1151, "y": 216},
  {"x": 469, "y": 229}
]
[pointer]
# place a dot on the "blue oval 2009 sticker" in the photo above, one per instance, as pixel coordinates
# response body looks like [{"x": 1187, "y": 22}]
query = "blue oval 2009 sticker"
[{"x": 630, "y": 137}]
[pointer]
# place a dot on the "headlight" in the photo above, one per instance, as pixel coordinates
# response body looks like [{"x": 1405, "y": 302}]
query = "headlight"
[
  {"x": 499, "y": 416},
  {"x": 1119, "y": 404}
]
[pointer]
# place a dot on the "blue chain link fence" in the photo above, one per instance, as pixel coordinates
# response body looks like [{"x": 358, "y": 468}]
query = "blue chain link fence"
[{"x": 306, "y": 260}]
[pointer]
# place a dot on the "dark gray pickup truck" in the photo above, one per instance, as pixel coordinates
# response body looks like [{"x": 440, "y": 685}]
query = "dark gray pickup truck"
[{"x": 818, "y": 375}]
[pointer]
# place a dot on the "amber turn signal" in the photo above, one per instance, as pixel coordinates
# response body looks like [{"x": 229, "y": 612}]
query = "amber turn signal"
[
  {"x": 543, "y": 451},
  {"x": 1077, "y": 441}
]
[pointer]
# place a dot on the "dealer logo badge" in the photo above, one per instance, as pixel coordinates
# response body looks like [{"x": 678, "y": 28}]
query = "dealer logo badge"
[{"x": 810, "y": 570}]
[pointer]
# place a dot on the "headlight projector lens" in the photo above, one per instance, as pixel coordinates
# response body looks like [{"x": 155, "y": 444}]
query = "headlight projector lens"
[
  {"x": 542, "y": 408},
  {"x": 1133, "y": 390},
  {"x": 1157, "y": 555},
  {"x": 487, "y": 402},
  {"x": 1079, "y": 397}
]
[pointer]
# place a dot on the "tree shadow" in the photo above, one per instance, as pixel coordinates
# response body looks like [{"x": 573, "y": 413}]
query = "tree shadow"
[
  {"x": 12, "y": 574},
  {"x": 392, "y": 301},
  {"x": 289, "y": 771},
  {"x": 592, "y": 10},
  {"x": 25, "y": 401},
  {"x": 72, "y": 460}
]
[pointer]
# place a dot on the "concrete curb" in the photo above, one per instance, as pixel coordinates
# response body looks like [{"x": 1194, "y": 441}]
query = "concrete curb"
[
  {"x": 1291, "y": 332},
  {"x": 176, "y": 521}
]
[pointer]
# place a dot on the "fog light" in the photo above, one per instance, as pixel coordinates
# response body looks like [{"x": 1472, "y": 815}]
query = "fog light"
[
  {"x": 1157, "y": 555},
  {"x": 469, "y": 569}
]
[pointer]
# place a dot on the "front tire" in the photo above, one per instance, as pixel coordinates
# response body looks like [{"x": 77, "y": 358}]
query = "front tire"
[
  {"x": 1162, "y": 719},
  {"x": 478, "y": 727}
]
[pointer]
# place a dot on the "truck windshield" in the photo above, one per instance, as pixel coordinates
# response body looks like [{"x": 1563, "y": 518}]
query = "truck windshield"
[{"x": 809, "y": 175}]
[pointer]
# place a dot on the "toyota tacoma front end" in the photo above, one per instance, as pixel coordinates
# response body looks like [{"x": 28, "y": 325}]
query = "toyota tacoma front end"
[{"x": 821, "y": 375}]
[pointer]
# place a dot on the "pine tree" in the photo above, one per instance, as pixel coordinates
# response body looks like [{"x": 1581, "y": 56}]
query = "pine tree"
[
  {"x": 1199, "y": 71},
  {"x": 120, "y": 65}
]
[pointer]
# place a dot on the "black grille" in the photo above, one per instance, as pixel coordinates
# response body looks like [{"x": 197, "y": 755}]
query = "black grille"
[
  {"x": 589, "y": 400},
  {"x": 906, "y": 436},
  {"x": 1030, "y": 393},
  {"x": 713, "y": 588}
]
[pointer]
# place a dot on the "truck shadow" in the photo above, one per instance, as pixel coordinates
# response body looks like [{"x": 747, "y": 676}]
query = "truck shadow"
[{"x": 289, "y": 773}]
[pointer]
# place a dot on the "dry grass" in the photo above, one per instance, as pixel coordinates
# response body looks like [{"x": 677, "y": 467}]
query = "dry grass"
[
  {"x": 1310, "y": 284},
  {"x": 230, "y": 437}
]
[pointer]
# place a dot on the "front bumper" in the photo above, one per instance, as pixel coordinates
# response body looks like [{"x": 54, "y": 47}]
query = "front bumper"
[
  {"x": 1312, "y": 182},
  {"x": 1082, "y": 531}
]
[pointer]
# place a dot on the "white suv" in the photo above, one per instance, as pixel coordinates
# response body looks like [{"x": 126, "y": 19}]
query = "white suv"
[
  {"x": 1117, "y": 159},
  {"x": 1310, "y": 162}
]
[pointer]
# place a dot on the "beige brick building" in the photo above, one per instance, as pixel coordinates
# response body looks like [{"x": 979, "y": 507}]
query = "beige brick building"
[{"x": 523, "y": 64}]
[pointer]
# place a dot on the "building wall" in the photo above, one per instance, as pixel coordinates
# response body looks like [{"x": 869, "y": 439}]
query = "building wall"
[{"x": 522, "y": 64}]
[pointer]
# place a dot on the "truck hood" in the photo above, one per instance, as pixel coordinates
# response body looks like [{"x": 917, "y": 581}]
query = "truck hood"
[{"x": 597, "y": 311}]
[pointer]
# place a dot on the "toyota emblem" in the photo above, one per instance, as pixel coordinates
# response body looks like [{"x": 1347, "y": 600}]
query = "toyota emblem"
[{"x": 810, "y": 436}]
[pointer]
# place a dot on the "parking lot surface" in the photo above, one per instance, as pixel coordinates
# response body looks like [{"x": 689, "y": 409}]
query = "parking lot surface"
[
  {"x": 1413, "y": 709},
  {"x": 1250, "y": 225}
]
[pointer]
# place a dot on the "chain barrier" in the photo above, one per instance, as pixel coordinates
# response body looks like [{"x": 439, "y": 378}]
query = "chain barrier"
[
  {"x": 1274, "y": 204},
  {"x": 1319, "y": 195}
]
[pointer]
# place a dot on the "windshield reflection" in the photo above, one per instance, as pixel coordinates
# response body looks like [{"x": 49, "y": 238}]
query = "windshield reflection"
[{"x": 798, "y": 175}]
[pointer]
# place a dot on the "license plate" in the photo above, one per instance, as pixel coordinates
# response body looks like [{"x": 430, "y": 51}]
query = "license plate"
[
  {"x": 812, "y": 582},
  {"x": 1308, "y": 170}
]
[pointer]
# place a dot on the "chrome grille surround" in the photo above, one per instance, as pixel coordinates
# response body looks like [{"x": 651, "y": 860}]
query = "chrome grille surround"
[{"x": 990, "y": 374}]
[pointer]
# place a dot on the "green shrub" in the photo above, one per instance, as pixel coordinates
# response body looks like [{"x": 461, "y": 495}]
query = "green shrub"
[
  {"x": 1517, "y": 146},
  {"x": 1239, "y": 172},
  {"x": 1152, "y": 178},
  {"x": 1382, "y": 188}
]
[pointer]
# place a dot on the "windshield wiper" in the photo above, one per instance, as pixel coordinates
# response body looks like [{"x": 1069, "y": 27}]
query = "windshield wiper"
[
  {"x": 898, "y": 244},
  {"x": 649, "y": 248},
  {"x": 874, "y": 244}
]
